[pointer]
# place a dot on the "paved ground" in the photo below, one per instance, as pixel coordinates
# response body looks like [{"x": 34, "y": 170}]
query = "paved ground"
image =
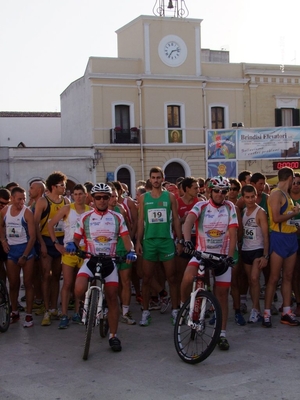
[{"x": 46, "y": 363}]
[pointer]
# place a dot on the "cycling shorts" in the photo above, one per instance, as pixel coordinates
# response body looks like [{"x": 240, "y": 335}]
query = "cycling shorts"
[{"x": 111, "y": 280}]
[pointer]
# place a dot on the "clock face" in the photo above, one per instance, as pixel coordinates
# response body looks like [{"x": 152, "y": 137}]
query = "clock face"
[{"x": 172, "y": 50}]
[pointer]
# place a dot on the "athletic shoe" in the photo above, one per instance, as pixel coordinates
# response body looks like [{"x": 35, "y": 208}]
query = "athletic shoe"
[
  {"x": 289, "y": 319},
  {"x": 267, "y": 321},
  {"x": 223, "y": 343},
  {"x": 127, "y": 319},
  {"x": 154, "y": 305},
  {"x": 40, "y": 311},
  {"x": 76, "y": 319},
  {"x": 174, "y": 315},
  {"x": 243, "y": 308},
  {"x": 56, "y": 314},
  {"x": 274, "y": 310},
  {"x": 14, "y": 317},
  {"x": 28, "y": 322},
  {"x": 64, "y": 322},
  {"x": 115, "y": 344},
  {"x": 46, "y": 319},
  {"x": 165, "y": 302},
  {"x": 146, "y": 318},
  {"x": 239, "y": 319}
]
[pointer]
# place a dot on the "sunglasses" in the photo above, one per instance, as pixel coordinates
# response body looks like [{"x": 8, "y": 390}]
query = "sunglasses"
[
  {"x": 223, "y": 191},
  {"x": 61, "y": 184},
  {"x": 105, "y": 197},
  {"x": 234, "y": 189},
  {"x": 294, "y": 183},
  {"x": 2, "y": 203}
]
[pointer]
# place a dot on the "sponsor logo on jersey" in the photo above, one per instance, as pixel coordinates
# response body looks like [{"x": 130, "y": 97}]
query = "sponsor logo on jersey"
[{"x": 214, "y": 233}]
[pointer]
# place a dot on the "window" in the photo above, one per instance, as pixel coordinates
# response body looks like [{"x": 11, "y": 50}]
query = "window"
[
  {"x": 217, "y": 118},
  {"x": 287, "y": 117},
  {"x": 123, "y": 176},
  {"x": 121, "y": 132},
  {"x": 173, "y": 171},
  {"x": 174, "y": 117}
]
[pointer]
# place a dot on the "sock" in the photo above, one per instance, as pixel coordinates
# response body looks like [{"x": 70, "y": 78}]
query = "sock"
[
  {"x": 243, "y": 298},
  {"x": 125, "y": 309},
  {"x": 38, "y": 301},
  {"x": 267, "y": 312},
  {"x": 223, "y": 333},
  {"x": 111, "y": 335},
  {"x": 285, "y": 310}
]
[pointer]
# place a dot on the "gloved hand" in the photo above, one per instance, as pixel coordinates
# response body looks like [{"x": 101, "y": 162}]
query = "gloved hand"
[
  {"x": 71, "y": 247},
  {"x": 131, "y": 257},
  {"x": 189, "y": 247},
  {"x": 229, "y": 261}
]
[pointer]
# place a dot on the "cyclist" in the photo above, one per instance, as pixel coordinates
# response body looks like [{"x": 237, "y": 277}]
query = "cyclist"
[
  {"x": 216, "y": 233},
  {"x": 100, "y": 229}
]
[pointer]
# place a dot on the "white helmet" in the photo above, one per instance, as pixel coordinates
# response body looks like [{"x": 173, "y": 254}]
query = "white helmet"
[
  {"x": 101, "y": 188},
  {"x": 219, "y": 182}
]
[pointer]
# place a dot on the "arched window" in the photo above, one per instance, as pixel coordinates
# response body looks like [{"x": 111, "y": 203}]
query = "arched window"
[{"x": 173, "y": 171}]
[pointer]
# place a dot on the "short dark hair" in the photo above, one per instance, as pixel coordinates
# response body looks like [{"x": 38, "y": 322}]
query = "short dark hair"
[
  {"x": 157, "y": 169},
  {"x": 79, "y": 186},
  {"x": 188, "y": 182},
  {"x": 256, "y": 177},
  {"x": 243, "y": 174},
  {"x": 235, "y": 182},
  {"x": 17, "y": 189},
  {"x": 285, "y": 173},
  {"x": 4, "y": 194},
  {"x": 11, "y": 185},
  {"x": 248, "y": 189}
]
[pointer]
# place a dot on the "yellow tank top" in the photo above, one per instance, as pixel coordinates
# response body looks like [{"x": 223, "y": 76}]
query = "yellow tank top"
[
  {"x": 286, "y": 226},
  {"x": 49, "y": 213}
]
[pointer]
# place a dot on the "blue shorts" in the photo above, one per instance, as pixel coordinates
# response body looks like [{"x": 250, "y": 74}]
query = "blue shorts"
[
  {"x": 51, "y": 249},
  {"x": 283, "y": 244},
  {"x": 17, "y": 250}
]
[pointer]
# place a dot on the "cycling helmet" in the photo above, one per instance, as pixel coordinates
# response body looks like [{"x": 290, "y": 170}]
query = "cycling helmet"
[
  {"x": 219, "y": 182},
  {"x": 101, "y": 188}
]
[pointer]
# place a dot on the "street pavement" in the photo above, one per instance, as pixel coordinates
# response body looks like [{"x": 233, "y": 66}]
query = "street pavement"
[{"x": 46, "y": 363}]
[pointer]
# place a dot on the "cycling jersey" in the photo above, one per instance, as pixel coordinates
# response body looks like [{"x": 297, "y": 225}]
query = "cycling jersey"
[
  {"x": 212, "y": 225},
  {"x": 100, "y": 231}
]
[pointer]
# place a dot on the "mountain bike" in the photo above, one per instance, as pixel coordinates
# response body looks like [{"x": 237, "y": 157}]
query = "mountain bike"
[
  {"x": 94, "y": 311},
  {"x": 4, "y": 307},
  {"x": 198, "y": 324}
]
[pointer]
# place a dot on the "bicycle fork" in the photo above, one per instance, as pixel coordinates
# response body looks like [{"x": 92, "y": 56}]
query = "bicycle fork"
[
  {"x": 197, "y": 306},
  {"x": 86, "y": 304}
]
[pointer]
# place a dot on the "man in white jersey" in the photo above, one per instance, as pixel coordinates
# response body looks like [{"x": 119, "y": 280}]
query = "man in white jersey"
[
  {"x": 17, "y": 238},
  {"x": 100, "y": 230},
  {"x": 216, "y": 233},
  {"x": 70, "y": 214}
]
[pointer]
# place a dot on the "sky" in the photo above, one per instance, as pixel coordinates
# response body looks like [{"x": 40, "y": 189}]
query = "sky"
[{"x": 45, "y": 44}]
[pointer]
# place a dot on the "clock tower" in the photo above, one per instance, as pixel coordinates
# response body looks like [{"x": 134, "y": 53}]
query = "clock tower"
[{"x": 166, "y": 44}]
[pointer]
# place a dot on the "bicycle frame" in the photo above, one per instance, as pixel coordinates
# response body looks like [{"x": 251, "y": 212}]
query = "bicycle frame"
[
  {"x": 100, "y": 287},
  {"x": 197, "y": 310}
]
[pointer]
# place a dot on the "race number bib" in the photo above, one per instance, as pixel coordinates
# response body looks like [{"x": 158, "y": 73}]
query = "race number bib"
[
  {"x": 250, "y": 233},
  {"x": 14, "y": 231},
  {"x": 157, "y": 216}
]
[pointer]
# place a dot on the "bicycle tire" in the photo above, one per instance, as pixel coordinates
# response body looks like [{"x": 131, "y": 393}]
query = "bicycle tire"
[
  {"x": 104, "y": 325},
  {"x": 194, "y": 345},
  {"x": 4, "y": 307},
  {"x": 91, "y": 321}
]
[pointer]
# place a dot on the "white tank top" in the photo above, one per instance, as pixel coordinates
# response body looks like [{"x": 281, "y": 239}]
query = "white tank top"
[
  {"x": 16, "y": 227},
  {"x": 71, "y": 222},
  {"x": 252, "y": 237}
]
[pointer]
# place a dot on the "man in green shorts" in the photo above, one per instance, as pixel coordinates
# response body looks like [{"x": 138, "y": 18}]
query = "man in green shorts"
[{"x": 157, "y": 214}]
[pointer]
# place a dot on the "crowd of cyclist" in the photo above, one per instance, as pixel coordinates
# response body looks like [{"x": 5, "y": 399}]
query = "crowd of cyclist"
[{"x": 157, "y": 232}]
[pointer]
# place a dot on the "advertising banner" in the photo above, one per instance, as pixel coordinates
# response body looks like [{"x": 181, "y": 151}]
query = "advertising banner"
[
  {"x": 223, "y": 168},
  {"x": 268, "y": 143},
  {"x": 221, "y": 144}
]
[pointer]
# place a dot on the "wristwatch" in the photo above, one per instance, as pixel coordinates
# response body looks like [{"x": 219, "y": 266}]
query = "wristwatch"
[
  {"x": 55, "y": 242},
  {"x": 181, "y": 241},
  {"x": 24, "y": 257},
  {"x": 266, "y": 256}
]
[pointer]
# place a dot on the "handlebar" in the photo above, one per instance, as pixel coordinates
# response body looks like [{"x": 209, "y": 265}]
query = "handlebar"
[{"x": 101, "y": 256}]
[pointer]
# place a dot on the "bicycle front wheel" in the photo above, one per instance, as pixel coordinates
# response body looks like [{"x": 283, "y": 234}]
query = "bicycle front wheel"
[
  {"x": 4, "y": 307},
  {"x": 195, "y": 340},
  {"x": 103, "y": 325},
  {"x": 91, "y": 321}
]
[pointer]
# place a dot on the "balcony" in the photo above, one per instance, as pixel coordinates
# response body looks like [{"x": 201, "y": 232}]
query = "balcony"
[{"x": 120, "y": 135}]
